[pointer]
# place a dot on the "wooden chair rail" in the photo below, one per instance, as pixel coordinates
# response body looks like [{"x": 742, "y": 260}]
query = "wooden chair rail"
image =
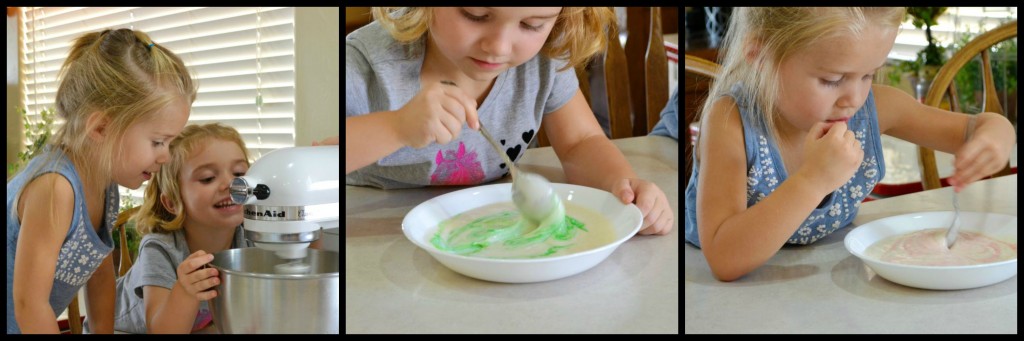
[{"x": 942, "y": 85}]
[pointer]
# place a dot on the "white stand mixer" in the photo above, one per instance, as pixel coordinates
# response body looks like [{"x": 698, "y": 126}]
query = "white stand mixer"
[{"x": 288, "y": 196}]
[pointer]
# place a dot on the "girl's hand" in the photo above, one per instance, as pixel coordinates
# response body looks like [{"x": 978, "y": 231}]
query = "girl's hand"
[
  {"x": 195, "y": 279},
  {"x": 437, "y": 113},
  {"x": 651, "y": 201},
  {"x": 982, "y": 156},
  {"x": 831, "y": 156}
]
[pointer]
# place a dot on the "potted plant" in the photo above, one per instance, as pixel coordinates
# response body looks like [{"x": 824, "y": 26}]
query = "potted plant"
[
  {"x": 38, "y": 134},
  {"x": 930, "y": 59},
  {"x": 968, "y": 80},
  {"x": 931, "y": 55}
]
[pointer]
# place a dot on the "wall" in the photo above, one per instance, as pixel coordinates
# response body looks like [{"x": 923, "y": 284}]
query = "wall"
[{"x": 317, "y": 74}]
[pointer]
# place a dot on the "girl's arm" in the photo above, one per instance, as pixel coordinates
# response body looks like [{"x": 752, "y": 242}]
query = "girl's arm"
[
  {"x": 369, "y": 138},
  {"x": 736, "y": 239},
  {"x": 903, "y": 117},
  {"x": 590, "y": 159},
  {"x": 174, "y": 310},
  {"x": 169, "y": 311},
  {"x": 581, "y": 145},
  {"x": 45, "y": 220},
  {"x": 99, "y": 293},
  {"x": 436, "y": 113}
]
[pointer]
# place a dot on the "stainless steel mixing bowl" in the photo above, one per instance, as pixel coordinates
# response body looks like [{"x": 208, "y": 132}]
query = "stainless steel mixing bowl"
[{"x": 254, "y": 298}]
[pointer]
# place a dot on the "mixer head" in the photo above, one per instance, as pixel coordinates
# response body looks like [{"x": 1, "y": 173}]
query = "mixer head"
[{"x": 288, "y": 197}]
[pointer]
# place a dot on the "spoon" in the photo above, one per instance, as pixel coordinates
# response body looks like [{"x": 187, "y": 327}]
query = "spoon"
[
  {"x": 531, "y": 193},
  {"x": 954, "y": 229}
]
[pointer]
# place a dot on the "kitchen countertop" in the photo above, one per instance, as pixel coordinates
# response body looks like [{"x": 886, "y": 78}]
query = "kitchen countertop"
[
  {"x": 822, "y": 288},
  {"x": 392, "y": 286}
]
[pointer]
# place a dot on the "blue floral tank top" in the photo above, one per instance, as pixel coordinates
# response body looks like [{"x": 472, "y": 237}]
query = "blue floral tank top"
[
  {"x": 84, "y": 247},
  {"x": 765, "y": 172}
]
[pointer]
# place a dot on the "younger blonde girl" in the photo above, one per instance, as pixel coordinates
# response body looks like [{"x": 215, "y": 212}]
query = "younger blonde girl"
[{"x": 186, "y": 217}]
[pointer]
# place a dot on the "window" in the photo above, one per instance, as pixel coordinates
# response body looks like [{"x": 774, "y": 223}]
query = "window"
[
  {"x": 240, "y": 57},
  {"x": 955, "y": 21}
]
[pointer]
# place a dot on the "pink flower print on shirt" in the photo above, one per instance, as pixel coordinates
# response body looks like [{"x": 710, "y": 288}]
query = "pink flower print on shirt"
[{"x": 457, "y": 168}]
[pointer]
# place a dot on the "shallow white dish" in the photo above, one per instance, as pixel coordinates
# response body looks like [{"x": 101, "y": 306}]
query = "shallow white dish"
[
  {"x": 421, "y": 222},
  {"x": 999, "y": 226}
]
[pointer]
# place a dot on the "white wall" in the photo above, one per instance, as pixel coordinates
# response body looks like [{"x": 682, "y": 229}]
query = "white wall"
[{"x": 317, "y": 74}]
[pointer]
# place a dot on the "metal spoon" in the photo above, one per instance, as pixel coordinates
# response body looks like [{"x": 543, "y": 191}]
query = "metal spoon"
[
  {"x": 954, "y": 229},
  {"x": 531, "y": 193}
]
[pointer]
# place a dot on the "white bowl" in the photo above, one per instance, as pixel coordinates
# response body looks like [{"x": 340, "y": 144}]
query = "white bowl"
[
  {"x": 421, "y": 222},
  {"x": 999, "y": 226}
]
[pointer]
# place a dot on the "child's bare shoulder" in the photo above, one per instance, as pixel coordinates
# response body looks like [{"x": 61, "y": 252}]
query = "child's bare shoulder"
[
  {"x": 721, "y": 125},
  {"x": 48, "y": 188},
  {"x": 47, "y": 200},
  {"x": 724, "y": 112}
]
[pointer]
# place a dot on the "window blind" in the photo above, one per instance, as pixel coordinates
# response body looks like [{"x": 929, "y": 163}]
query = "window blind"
[{"x": 242, "y": 58}]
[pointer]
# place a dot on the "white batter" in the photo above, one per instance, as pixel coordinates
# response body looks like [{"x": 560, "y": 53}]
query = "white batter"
[{"x": 928, "y": 247}]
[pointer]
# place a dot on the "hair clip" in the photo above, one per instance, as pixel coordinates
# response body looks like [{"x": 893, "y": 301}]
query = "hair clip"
[{"x": 150, "y": 47}]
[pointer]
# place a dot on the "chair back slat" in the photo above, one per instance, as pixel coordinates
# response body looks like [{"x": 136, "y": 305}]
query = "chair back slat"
[
  {"x": 656, "y": 72},
  {"x": 74, "y": 317},
  {"x": 991, "y": 99},
  {"x": 617, "y": 82},
  {"x": 954, "y": 99},
  {"x": 637, "y": 24}
]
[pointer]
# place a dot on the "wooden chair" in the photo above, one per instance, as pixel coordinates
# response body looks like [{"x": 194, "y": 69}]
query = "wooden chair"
[
  {"x": 635, "y": 78},
  {"x": 74, "y": 314},
  {"x": 647, "y": 64},
  {"x": 702, "y": 68},
  {"x": 941, "y": 86},
  {"x": 119, "y": 226}
]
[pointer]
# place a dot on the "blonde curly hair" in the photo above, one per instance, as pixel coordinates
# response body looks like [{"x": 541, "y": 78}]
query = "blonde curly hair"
[{"x": 578, "y": 34}]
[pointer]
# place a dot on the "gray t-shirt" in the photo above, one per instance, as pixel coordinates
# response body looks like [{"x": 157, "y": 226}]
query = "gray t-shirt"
[
  {"x": 157, "y": 264},
  {"x": 383, "y": 75}
]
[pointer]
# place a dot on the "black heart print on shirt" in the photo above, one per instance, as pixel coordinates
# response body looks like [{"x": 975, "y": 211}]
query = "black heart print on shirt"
[
  {"x": 513, "y": 152},
  {"x": 527, "y": 136}
]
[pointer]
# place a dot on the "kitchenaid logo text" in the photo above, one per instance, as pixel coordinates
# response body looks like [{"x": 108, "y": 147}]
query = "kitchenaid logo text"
[{"x": 272, "y": 213}]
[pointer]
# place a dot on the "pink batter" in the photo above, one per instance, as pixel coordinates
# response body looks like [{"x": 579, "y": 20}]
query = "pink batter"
[{"x": 928, "y": 247}]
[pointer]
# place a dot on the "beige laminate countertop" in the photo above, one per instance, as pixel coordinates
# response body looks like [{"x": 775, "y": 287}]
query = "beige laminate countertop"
[{"x": 822, "y": 288}]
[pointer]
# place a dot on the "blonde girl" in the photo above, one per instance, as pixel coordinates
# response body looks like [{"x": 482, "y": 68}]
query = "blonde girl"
[
  {"x": 185, "y": 218},
  {"x": 123, "y": 98},
  {"x": 416, "y": 76},
  {"x": 790, "y": 134}
]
